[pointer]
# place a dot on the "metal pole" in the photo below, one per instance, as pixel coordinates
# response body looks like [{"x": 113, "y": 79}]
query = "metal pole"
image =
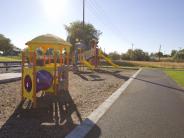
[
  {"x": 83, "y": 21},
  {"x": 83, "y": 14},
  {"x": 159, "y": 52},
  {"x": 132, "y": 51}
]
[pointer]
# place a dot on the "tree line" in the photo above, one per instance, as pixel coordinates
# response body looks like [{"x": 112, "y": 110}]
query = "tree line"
[
  {"x": 140, "y": 55},
  {"x": 7, "y": 48}
]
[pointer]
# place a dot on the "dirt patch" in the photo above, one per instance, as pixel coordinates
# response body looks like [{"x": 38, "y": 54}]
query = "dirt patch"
[
  {"x": 87, "y": 90},
  {"x": 9, "y": 99}
]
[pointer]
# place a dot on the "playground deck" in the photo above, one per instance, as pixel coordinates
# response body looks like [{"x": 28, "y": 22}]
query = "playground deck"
[{"x": 87, "y": 90}]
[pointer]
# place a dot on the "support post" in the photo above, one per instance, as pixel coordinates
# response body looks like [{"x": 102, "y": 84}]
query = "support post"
[
  {"x": 44, "y": 59},
  {"x": 68, "y": 60},
  {"x": 55, "y": 59},
  {"x": 61, "y": 57},
  {"x": 22, "y": 81},
  {"x": 34, "y": 79}
]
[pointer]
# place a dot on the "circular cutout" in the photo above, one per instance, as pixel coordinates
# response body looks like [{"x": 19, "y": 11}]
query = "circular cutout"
[{"x": 27, "y": 83}]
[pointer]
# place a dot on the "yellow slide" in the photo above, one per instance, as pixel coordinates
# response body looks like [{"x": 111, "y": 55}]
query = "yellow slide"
[
  {"x": 88, "y": 64},
  {"x": 108, "y": 60}
]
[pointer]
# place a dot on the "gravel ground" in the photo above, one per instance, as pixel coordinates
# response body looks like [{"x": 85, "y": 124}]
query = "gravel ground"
[{"x": 55, "y": 117}]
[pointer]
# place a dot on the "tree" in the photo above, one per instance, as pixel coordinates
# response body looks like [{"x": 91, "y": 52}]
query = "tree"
[
  {"x": 114, "y": 55},
  {"x": 77, "y": 33},
  {"x": 130, "y": 53},
  {"x": 5, "y": 45},
  {"x": 140, "y": 55},
  {"x": 39, "y": 51},
  {"x": 159, "y": 55},
  {"x": 125, "y": 56},
  {"x": 136, "y": 54},
  {"x": 173, "y": 52},
  {"x": 179, "y": 56}
]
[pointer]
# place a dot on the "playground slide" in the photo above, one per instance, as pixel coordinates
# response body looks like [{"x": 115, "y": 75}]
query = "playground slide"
[
  {"x": 88, "y": 64},
  {"x": 108, "y": 60}
]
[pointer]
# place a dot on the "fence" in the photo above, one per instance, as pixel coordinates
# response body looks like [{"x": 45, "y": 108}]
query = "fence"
[{"x": 9, "y": 66}]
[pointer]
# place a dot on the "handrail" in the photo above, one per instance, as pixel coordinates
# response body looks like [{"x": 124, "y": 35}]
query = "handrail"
[{"x": 11, "y": 62}]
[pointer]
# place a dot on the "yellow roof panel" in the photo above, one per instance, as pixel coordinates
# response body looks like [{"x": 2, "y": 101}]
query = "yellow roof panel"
[{"x": 48, "y": 39}]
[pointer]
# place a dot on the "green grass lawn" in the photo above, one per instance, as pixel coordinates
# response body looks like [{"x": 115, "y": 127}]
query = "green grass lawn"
[
  {"x": 176, "y": 75},
  {"x": 3, "y": 58}
]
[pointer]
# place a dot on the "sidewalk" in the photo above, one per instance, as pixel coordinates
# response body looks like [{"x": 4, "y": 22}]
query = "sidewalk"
[
  {"x": 9, "y": 77},
  {"x": 151, "y": 106}
]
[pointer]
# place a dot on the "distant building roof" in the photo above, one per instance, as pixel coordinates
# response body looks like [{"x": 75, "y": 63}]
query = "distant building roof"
[
  {"x": 48, "y": 39},
  {"x": 16, "y": 49}
]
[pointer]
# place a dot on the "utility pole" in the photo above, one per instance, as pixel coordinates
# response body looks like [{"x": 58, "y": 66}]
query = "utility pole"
[
  {"x": 159, "y": 54},
  {"x": 132, "y": 51},
  {"x": 83, "y": 22}
]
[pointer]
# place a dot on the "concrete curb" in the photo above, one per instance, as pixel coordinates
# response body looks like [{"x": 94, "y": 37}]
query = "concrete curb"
[
  {"x": 9, "y": 77},
  {"x": 83, "y": 129},
  {"x": 10, "y": 80}
]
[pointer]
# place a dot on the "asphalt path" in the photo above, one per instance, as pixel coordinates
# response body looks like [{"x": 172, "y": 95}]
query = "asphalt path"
[{"x": 151, "y": 107}]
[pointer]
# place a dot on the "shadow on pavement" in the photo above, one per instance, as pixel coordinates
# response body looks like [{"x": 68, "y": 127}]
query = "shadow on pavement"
[
  {"x": 94, "y": 133},
  {"x": 52, "y": 118},
  {"x": 87, "y": 129},
  {"x": 162, "y": 85}
]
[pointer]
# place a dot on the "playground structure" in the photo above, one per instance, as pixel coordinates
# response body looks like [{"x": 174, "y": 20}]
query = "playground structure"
[
  {"x": 44, "y": 72},
  {"x": 91, "y": 58},
  {"x": 46, "y": 61}
]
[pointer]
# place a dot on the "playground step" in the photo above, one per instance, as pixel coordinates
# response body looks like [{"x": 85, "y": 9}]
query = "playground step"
[{"x": 9, "y": 77}]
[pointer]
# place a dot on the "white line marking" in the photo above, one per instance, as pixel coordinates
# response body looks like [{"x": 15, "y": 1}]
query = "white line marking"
[{"x": 83, "y": 129}]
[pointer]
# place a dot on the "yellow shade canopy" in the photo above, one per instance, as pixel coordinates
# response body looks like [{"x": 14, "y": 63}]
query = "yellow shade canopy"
[{"x": 48, "y": 41}]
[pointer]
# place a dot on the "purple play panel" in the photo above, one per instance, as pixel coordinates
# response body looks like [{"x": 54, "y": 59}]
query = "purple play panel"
[{"x": 43, "y": 81}]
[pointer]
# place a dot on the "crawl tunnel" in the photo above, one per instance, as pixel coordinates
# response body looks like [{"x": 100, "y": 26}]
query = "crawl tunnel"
[{"x": 44, "y": 81}]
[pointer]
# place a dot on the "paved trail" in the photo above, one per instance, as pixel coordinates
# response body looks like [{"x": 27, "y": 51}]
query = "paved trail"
[{"x": 152, "y": 106}]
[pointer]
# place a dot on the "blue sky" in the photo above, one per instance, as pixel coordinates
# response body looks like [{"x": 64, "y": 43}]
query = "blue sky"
[{"x": 145, "y": 23}]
